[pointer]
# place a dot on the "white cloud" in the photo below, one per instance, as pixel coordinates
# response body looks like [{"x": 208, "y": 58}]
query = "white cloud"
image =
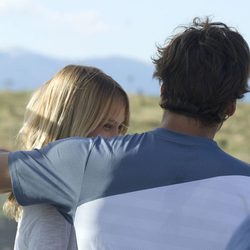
[
  {"x": 81, "y": 22},
  {"x": 10, "y": 6}
]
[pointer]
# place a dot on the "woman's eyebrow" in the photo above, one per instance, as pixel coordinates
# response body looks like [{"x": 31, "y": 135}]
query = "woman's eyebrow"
[
  {"x": 110, "y": 120},
  {"x": 116, "y": 122}
]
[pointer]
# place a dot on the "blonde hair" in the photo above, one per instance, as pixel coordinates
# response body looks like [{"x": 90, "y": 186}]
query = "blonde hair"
[{"x": 73, "y": 103}]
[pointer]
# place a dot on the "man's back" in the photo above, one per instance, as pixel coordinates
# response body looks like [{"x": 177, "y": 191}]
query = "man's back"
[
  {"x": 157, "y": 190},
  {"x": 181, "y": 192}
]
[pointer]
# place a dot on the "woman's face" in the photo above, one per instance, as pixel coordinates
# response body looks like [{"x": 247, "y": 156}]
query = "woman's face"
[{"x": 113, "y": 124}]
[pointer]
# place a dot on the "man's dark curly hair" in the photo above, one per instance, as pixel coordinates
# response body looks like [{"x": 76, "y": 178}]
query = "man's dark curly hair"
[{"x": 203, "y": 70}]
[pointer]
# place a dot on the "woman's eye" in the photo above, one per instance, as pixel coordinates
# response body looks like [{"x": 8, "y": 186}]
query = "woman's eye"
[
  {"x": 108, "y": 126},
  {"x": 121, "y": 128}
]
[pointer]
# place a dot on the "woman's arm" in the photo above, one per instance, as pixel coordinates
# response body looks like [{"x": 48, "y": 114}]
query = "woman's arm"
[{"x": 5, "y": 183}]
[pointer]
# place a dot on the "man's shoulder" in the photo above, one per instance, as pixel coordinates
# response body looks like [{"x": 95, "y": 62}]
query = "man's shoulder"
[
  {"x": 124, "y": 143},
  {"x": 235, "y": 164}
]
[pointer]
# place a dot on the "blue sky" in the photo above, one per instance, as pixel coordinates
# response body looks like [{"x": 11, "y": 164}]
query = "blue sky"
[{"x": 99, "y": 28}]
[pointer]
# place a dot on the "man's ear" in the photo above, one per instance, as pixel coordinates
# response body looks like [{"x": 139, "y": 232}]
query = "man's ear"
[
  {"x": 163, "y": 88},
  {"x": 231, "y": 108}
]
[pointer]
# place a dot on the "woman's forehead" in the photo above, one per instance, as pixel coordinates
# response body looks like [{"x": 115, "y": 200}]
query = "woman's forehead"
[{"x": 116, "y": 111}]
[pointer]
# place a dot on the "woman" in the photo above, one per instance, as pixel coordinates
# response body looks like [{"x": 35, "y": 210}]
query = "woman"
[
  {"x": 240, "y": 239},
  {"x": 77, "y": 101}
]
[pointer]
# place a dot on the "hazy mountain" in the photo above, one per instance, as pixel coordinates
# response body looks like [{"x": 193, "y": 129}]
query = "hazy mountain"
[{"x": 23, "y": 70}]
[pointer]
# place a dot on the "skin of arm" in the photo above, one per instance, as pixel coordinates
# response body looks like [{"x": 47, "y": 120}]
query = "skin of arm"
[{"x": 5, "y": 182}]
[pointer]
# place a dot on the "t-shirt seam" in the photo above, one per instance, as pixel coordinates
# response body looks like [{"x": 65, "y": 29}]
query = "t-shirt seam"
[{"x": 87, "y": 159}]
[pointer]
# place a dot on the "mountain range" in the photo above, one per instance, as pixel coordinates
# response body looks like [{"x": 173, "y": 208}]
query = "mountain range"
[{"x": 25, "y": 70}]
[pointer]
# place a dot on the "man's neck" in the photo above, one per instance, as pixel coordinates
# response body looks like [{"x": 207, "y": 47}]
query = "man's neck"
[{"x": 186, "y": 125}]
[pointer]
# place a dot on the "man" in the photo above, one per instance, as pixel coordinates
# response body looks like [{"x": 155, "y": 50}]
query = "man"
[{"x": 170, "y": 188}]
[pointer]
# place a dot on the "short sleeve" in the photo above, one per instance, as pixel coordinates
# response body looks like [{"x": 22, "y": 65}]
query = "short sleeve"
[{"x": 51, "y": 175}]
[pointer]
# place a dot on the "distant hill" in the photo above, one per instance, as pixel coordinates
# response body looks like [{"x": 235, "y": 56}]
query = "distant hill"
[{"x": 25, "y": 70}]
